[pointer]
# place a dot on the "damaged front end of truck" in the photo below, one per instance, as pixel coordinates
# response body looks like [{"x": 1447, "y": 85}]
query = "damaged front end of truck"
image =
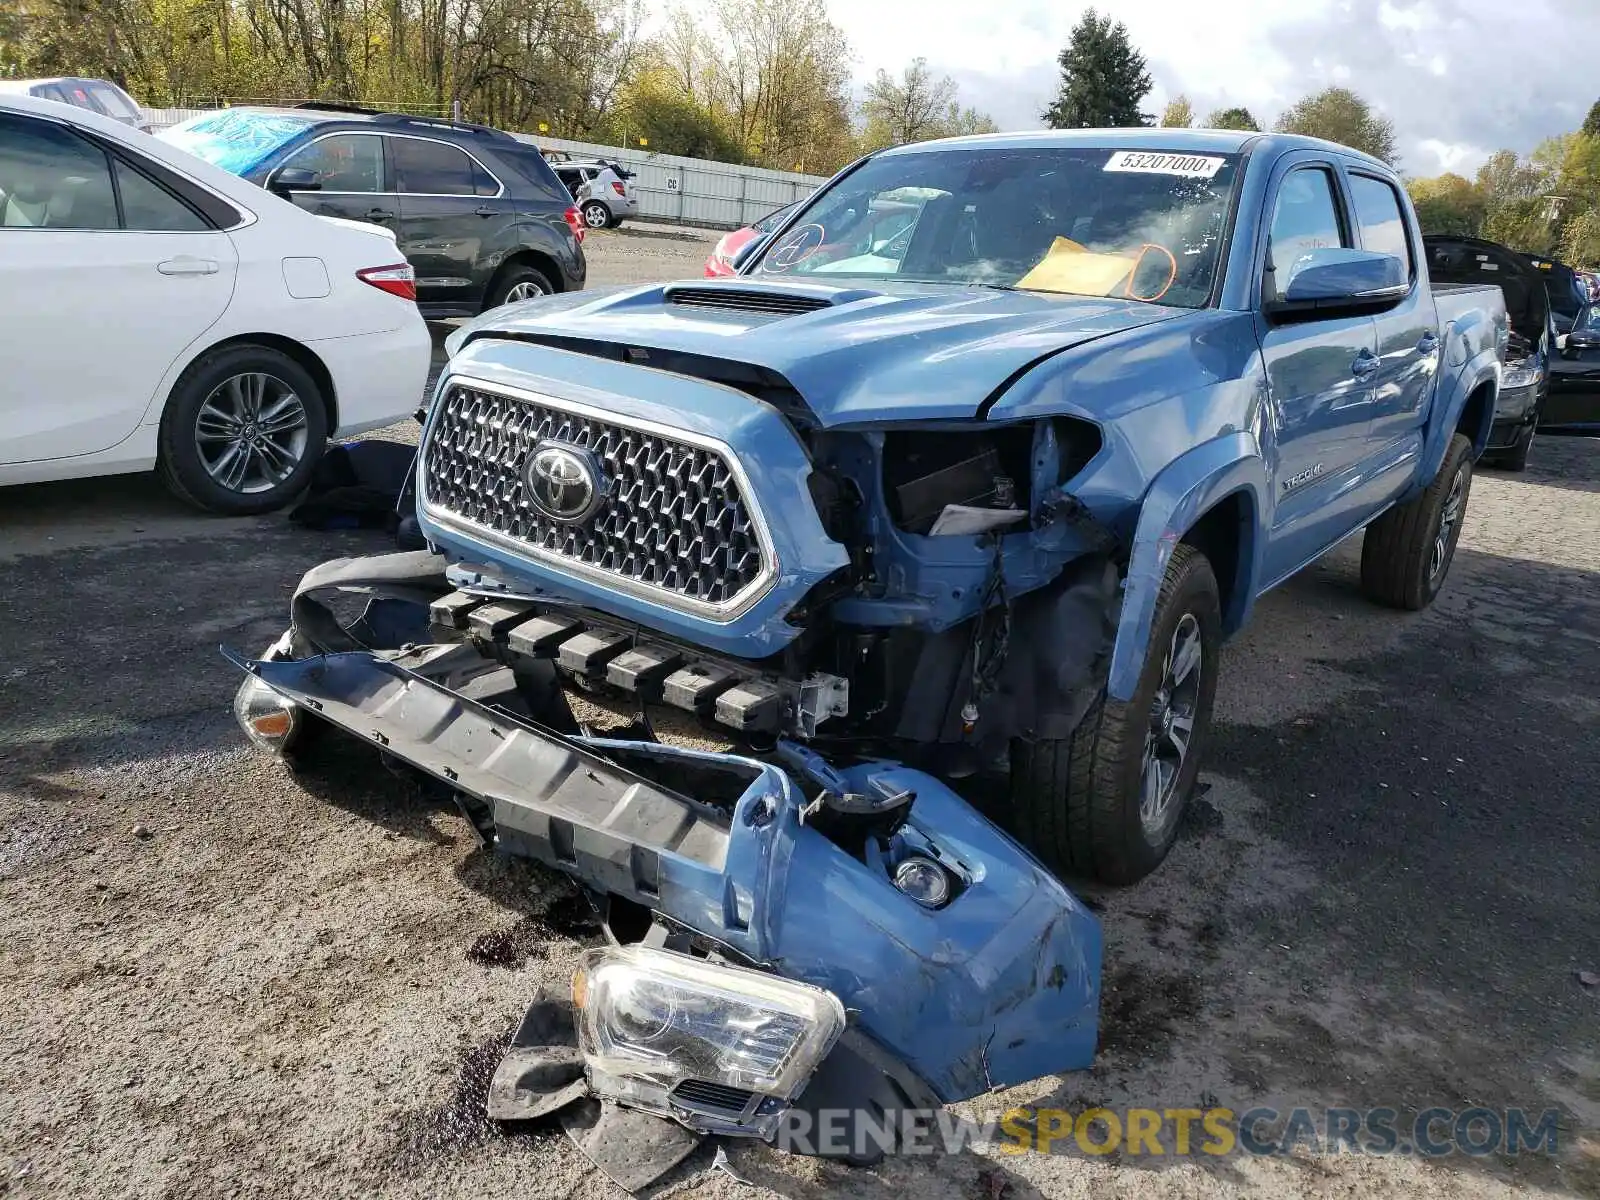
[
  {"x": 789, "y": 935},
  {"x": 859, "y": 615}
]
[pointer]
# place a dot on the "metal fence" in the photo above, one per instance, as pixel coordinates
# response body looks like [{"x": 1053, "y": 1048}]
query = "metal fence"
[{"x": 684, "y": 191}]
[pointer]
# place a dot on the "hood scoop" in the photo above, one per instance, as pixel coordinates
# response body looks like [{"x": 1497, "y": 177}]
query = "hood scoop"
[{"x": 748, "y": 300}]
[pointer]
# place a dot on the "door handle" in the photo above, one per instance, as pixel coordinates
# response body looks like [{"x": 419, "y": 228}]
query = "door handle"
[
  {"x": 1427, "y": 345},
  {"x": 483, "y": 210},
  {"x": 187, "y": 266},
  {"x": 1365, "y": 364},
  {"x": 379, "y": 214}
]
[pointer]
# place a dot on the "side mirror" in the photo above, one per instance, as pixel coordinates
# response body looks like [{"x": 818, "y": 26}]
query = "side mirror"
[
  {"x": 294, "y": 179},
  {"x": 749, "y": 250},
  {"x": 1333, "y": 281},
  {"x": 1580, "y": 340}
]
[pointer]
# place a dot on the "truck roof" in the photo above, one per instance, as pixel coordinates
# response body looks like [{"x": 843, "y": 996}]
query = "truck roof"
[{"x": 1193, "y": 141}]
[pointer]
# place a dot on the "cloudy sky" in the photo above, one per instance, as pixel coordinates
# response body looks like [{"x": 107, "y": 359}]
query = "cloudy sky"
[{"x": 1459, "y": 78}]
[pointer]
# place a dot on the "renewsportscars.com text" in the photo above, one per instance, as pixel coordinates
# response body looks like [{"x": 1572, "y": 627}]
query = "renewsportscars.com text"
[{"x": 1179, "y": 1132}]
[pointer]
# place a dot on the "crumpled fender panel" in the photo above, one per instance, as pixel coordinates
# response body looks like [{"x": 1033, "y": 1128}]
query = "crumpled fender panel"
[{"x": 998, "y": 987}]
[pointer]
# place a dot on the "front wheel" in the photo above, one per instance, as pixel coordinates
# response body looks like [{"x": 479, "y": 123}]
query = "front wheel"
[
  {"x": 1408, "y": 551},
  {"x": 1105, "y": 803},
  {"x": 242, "y": 431}
]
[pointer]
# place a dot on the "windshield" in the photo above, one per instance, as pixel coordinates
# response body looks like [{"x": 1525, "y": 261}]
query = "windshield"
[
  {"x": 1076, "y": 220},
  {"x": 234, "y": 139}
]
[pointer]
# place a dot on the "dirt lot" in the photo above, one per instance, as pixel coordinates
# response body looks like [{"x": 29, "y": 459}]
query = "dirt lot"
[{"x": 1385, "y": 898}]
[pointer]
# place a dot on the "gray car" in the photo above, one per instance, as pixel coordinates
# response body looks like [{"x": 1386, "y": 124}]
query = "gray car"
[
  {"x": 96, "y": 95},
  {"x": 603, "y": 191}
]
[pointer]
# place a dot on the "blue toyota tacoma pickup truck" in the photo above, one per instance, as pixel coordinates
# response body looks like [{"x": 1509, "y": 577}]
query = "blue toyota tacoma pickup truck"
[{"x": 903, "y": 509}]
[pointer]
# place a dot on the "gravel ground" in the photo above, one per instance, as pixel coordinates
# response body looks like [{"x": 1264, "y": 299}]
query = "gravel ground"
[{"x": 221, "y": 981}]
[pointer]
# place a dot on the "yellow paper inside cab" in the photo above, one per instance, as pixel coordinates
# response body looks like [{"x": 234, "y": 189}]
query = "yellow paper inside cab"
[{"x": 1069, "y": 267}]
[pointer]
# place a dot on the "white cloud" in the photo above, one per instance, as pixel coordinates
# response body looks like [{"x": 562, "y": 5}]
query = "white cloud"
[{"x": 1459, "y": 78}]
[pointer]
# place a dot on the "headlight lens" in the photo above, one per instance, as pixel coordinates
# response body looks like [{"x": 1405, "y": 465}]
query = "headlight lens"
[
  {"x": 1520, "y": 374},
  {"x": 267, "y": 718},
  {"x": 668, "y": 1017}
]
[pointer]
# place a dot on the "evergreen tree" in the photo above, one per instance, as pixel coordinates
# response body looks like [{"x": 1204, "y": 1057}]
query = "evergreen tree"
[
  {"x": 1591, "y": 123},
  {"x": 1103, "y": 78}
]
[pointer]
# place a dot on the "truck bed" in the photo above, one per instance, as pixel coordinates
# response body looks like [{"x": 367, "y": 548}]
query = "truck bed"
[{"x": 1474, "y": 313}]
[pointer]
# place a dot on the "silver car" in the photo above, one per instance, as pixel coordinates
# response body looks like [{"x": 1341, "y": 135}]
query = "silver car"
[
  {"x": 603, "y": 191},
  {"x": 96, "y": 95}
]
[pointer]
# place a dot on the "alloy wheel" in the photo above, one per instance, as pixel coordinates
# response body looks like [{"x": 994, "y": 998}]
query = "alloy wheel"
[
  {"x": 251, "y": 433},
  {"x": 1449, "y": 518},
  {"x": 525, "y": 290},
  {"x": 1171, "y": 729}
]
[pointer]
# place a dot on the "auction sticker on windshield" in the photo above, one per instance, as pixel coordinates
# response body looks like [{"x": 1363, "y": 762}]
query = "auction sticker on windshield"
[{"x": 1190, "y": 166}]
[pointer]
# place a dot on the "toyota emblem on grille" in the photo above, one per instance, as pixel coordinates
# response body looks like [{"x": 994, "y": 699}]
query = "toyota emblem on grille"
[{"x": 563, "y": 481}]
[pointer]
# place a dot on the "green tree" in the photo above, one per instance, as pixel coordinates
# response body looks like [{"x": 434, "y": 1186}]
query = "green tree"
[
  {"x": 1505, "y": 178},
  {"x": 779, "y": 72},
  {"x": 1233, "y": 118},
  {"x": 1178, "y": 114},
  {"x": 912, "y": 108},
  {"x": 1339, "y": 115},
  {"x": 1591, "y": 123},
  {"x": 1103, "y": 78},
  {"x": 1580, "y": 240},
  {"x": 1524, "y": 224},
  {"x": 653, "y": 105},
  {"x": 960, "y": 122},
  {"x": 1516, "y": 196},
  {"x": 915, "y": 108},
  {"x": 1448, "y": 204}
]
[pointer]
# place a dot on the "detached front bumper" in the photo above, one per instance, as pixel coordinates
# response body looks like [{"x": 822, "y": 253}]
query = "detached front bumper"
[
  {"x": 961, "y": 964},
  {"x": 998, "y": 986}
]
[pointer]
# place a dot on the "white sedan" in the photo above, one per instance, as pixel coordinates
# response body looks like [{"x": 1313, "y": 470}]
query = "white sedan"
[{"x": 156, "y": 312}]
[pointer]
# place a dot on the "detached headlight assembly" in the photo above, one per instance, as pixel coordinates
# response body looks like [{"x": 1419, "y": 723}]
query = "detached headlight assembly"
[
  {"x": 269, "y": 720},
  {"x": 680, "y": 1035},
  {"x": 1520, "y": 374}
]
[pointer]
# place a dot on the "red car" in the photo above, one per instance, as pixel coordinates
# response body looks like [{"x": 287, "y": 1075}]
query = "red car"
[{"x": 726, "y": 250}]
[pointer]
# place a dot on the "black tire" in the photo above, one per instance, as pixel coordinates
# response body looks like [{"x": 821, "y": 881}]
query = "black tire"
[
  {"x": 1076, "y": 802},
  {"x": 596, "y": 215},
  {"x": 516, "y": 279},
  {"x": 179, "y": 458},
  {"x": 1514, "y": 458},
  {"x": 1399, "y": 564}
]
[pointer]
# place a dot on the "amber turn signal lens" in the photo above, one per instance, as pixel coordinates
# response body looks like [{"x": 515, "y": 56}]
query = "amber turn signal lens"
[
  {"x": 272, "y": 724},
  {"x": 580, "y": 988}
]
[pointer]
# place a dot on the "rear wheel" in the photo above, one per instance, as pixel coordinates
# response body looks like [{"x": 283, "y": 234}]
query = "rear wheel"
[
  {"x": 519, "y": 282},
  {"x": 1105, "y": 803},
  {"x": 1408, "y": 551},
  {"x": 242, "y": 431},
  {"x": 596, "y": 215}
]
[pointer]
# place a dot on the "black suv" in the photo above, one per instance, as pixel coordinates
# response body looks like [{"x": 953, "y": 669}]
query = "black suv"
[{"x": 480, "y": 215}]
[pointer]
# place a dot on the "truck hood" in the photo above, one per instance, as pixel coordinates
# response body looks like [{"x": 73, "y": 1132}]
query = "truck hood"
[{"x": 888, "y": 352}]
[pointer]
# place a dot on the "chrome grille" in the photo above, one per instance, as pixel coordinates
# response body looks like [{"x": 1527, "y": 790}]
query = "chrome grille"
[{"x": 674, "y": 522}]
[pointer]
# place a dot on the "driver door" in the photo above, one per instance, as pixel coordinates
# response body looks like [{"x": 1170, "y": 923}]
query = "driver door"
[
  {"x": 1319, "y": 378},
  {"x": 354, "y": 179}
]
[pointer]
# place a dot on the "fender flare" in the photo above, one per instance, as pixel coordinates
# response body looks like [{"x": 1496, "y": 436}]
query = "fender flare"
[
  {"x": 1184, "y": 491},
  {"x": 1450, "y": 404}
]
